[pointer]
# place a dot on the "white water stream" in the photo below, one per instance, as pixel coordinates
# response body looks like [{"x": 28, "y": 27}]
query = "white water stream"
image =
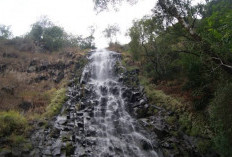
[{"x": 116, "y": 131}]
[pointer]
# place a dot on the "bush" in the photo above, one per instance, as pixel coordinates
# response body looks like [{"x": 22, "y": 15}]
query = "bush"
[
  {"x": 12, "y": 123},
  {"x": 221, "y": 118}
]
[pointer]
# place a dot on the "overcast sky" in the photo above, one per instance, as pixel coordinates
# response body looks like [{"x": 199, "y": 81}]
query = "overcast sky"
[{"x": 75, "y": 16}]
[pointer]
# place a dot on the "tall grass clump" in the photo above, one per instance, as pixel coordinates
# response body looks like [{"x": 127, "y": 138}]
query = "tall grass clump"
[{"x": 57, "y": 100}]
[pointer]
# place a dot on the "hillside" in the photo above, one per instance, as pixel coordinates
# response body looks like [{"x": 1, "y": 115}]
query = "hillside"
[{"x": 30, "y": 83}]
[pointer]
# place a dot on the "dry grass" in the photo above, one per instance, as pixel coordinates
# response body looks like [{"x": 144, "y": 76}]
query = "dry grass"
[
  {"x": 174, "y": 88},
  {"x": 17, "y": 86}
]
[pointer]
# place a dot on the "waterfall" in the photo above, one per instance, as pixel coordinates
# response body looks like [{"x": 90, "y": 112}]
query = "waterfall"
[{"x": 107, "y": 123}]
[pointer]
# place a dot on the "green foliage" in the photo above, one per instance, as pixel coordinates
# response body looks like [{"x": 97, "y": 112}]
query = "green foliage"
[
  {"x": 12, "y": 122},
  {"x": 111, "y": 32},
  {"x": 171, "y": 120},
  {"x": 185, "y": 122},
  {"x": 170, "y": 52},
  {"x": 69, "y": 149},
  {"x": 13, "y": 129},
  {"x": 203, "y": 145},
  {"x": 216, "y": 27},
  {"x": 16, "y": 140},
  {"x": 36, "y": 32},
  {"x": 155, "y": 46},
  {"x": 53, "y": 38},
  {"x": 57, "y": 100},
  {"x": 135, "y": 43},
  {"x": 47, "y": 35},
  {"x": 221, "y": 117},
  {"x": 175, "y": 43},
  {"x": 199, "y": 81},
  {"x": 5, "y": 32}
]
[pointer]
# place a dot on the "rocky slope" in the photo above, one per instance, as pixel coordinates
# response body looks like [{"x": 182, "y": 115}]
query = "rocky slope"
[
  {"x": 25, "y": 75},
  {"x": 72, "y": 132}
]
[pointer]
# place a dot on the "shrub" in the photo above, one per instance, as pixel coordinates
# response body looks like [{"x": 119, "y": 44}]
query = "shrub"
[
  {"x": 12, "y": 122},
  {"x": 221, "y": 118}
]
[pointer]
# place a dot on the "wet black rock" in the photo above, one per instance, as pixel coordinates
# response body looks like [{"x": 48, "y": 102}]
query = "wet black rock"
[
  {"x": 41, "y": 78},
  {"x": 114, "y": 91},
  {"x": 126, "y": 94},
  {"x": 146, "y": 145},
  {"x": 135, "y": 97},
  {"x": 104, "y": 90}
]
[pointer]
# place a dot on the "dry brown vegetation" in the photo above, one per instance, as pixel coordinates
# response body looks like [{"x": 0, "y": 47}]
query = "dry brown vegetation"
[{"x": 28, "y": 79}]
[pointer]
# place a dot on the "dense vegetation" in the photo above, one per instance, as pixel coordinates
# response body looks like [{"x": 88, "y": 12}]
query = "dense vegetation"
[
  {"x": 192, "y": 47},
  {"x": 199, "y": 55}
]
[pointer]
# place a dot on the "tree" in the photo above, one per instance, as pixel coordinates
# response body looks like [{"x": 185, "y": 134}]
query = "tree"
[
  {"x": 47, "y": 35},
  {"x": 53, "y": 38},
  {"x": 111, "y": 32},
  {"x": 186, "y": 16},
  {"x": 100, "y": 5},
  {"x": 36, "y": 32},
  {"x": 5, "y": 32},
  {"x": 170, "y": 11},
  {"x": 38, "y": 28}
]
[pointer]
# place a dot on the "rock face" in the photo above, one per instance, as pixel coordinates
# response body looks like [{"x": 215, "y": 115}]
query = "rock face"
[
  {"x": 95, "y": 121},
  {"x": 107, "y": 115}
]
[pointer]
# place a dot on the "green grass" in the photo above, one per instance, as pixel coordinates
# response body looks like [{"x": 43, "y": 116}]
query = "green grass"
[
  {"x": 69, "y": 149},
  {"x": 158, "y": 97},
  {"x": 171, "y": 119},
  {"x": 57, "y": 101},
  {"x": 13, "y": 128},
  {"x": 12, "y": 122}
]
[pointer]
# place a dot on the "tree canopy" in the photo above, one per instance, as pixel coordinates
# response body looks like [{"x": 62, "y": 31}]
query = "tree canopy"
[
  {"x": 52, "y": 37},
  {"x": 5, "y": 32},
  {"x": 111, "y": 32}
]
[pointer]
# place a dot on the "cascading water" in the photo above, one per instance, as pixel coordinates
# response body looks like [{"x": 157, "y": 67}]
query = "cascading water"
[
  {"x": 107, "y": 124},
  {"x": 97, "y": 120}
]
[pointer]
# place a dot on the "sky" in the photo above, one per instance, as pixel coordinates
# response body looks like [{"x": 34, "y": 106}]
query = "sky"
[{"x": 75, "y": 16}]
